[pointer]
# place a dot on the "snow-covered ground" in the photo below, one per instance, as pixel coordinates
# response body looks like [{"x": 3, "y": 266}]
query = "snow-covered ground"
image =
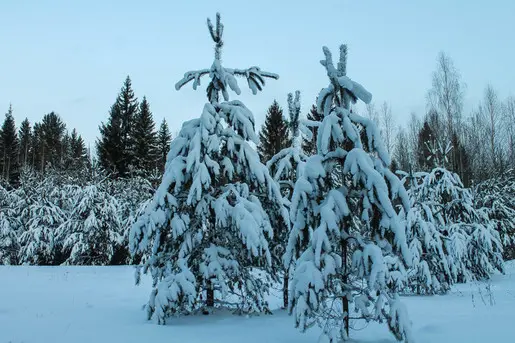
[{"x": 101, "y": 304}]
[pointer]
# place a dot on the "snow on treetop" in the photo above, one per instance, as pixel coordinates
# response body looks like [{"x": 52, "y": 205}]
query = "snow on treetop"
[
  {"x": 222, "y": 78},
  {"x": 339, "y": 78}
]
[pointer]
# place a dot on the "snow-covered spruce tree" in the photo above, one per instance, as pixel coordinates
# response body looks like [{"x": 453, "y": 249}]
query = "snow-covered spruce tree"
[
  {"x": 41, "y": 217},
  {"x": 497, "y": 197},
  {"x": 347, "y": 238},
  {"x": 130, "y": 194},
  {"x": 429, "y": 272},
  {"x": 472, "y": 245},
  {"x": 207, "y": 227},
  {"x": 92, "y": 232},
  {"x": 9, "y": 228},
  {"x": 285, "y": 167}
]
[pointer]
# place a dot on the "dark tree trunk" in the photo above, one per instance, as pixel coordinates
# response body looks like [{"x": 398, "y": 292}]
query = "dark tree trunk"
[
  {"x": 210, "y": 295},
  {"x": 345, "y": 300},
  {"x": 285, "y": 288}
]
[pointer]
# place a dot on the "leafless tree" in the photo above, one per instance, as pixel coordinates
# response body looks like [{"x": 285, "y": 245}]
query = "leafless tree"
[
  {"x": 414, "y": 126},
  {"x": 401, "y": 152},
  {"x": 509, "y": 125},
  {"x": 491, "y": 110},
  {"x": 371, "y": 113},
  {"x": 446, "y": 95},
  {"x": 387, "y": 126}
]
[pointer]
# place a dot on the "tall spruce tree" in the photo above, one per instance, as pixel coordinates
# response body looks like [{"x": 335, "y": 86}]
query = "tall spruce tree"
[
  {"x": 309, "y": 144},
  {"x": 25, "y": 138},
  {"x": 128, "y": 106},
  {"x": 109, "y": 145},
  {"x": 207, "y": 227},
  {"x": 9, "y": 149},
  {"x": 273, "y": 136},
  {"x": 49, "y": 146},
  {"x": 115, "y": 148},
  {"x": 145, "y": 140},
  {"x": 163, "y": 144}
]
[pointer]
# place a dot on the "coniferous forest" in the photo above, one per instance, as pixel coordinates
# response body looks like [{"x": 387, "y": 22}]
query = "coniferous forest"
[{"x": 337, "y": 204}]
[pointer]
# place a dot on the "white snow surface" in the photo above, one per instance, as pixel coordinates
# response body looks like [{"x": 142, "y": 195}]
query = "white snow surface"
[{"x": 102, "y": 304}]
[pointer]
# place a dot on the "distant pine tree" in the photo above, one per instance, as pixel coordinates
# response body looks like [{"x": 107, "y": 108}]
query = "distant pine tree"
[
  {"x": 460, "y": 160},
  {"x": 128, "y": 105},
  {"x": 310, "y": 145},
  {"x": 78, "y": 159},
  {"x": 273, "y": 136},
  {"x": 145, "y": 140},
  {"x": 9, "y": 149},
  {"x": 109, "y": 146},
  {"x": 164, "y": 139},
  {"x": 115, "y": 148},
  {"x": 25, "y": 139},
  {"x": 48, "y": 142},
  {"x": 425, "y": 137}
]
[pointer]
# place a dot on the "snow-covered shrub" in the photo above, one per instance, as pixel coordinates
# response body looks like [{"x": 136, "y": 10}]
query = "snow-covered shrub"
[
  {"x": 92, "y": 230},
  {"x": 38, "y": 241},
  {"x": 131, "y": 194},
  {"x": 429, "y": 272},
  {"x": 347, "y": 240},
  {"x": 497, "y": 197},
  {"x": 9, "y": 228},
  {"x": 472, "y": 244}
]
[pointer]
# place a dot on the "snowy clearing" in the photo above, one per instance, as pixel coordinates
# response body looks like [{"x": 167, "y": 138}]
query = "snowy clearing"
[{"x": 101, "y": 304}]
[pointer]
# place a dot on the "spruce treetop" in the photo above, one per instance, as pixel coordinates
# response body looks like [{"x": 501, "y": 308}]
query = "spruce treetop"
[{"x": 223, "y": 79}]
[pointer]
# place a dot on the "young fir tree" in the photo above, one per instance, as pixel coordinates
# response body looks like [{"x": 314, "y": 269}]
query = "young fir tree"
[
  {"x": 207, "y": 227},
  {"x": 497, "y": 197},
  {"x": 9, "y": 228},
  {"x": 25, "y": 138},
  {"x": 285, "y": 167},
  {"x": 473, "y": 246},
  {"x": 309, "y": 143},
  {"x": 145, "y": 140},
  {"x": 91, "y": 233},
  {"x": 131, "y": 193},
  {"x": 347, "y": 239},
  {"x": 164, "y": 139},
  {"x": 273, "y": 136},
  {"x": 9, "y": 149},
  {"x": 41, "y": 217},
  {"x": 429, "y": 272},
  {"x": 115, "y": 148}
]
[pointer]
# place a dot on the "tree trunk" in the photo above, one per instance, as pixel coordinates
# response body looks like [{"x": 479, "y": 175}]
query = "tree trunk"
[
  {"x": 210, "y": 295},
  {"x": 285, "y": 288},
  {"x": 345, "y": 300}
]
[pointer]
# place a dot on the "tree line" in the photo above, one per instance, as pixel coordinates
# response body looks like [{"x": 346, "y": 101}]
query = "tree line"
[{"x": 129, "y": 143}]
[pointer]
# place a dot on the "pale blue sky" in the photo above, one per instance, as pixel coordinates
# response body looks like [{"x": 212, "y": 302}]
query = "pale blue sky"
[{"x": 72, "y": 56}]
